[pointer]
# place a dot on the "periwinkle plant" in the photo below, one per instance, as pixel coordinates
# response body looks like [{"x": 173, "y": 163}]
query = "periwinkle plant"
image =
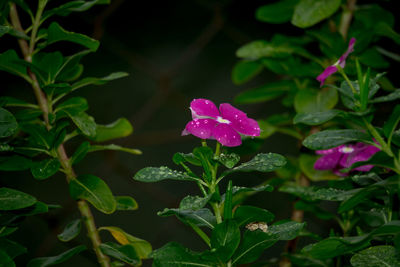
[
  {"x": 239, "y": 233},
  {"x": 33, "y": 136}
]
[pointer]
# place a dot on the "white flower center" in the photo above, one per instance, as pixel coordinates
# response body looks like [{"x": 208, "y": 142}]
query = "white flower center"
[
  {"x": 346, "y": 150},
  {"x": 222, "y": 120}
]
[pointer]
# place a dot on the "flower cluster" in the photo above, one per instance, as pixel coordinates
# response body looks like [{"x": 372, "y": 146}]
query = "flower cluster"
[
  {"x": 345, "y": 156},
  {"x": 225, "y": 125}
]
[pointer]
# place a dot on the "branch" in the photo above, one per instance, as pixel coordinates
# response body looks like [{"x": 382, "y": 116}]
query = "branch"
[{"x": 83, "y": 206}]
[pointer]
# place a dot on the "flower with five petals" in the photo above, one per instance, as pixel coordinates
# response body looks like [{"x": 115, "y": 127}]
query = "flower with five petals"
[{"x": 225, "y": 125}]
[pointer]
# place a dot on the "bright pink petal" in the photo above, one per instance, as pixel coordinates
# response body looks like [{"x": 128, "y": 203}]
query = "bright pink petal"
[
  {"x": 201, "y": 128},
  {"x": 239, "y": 120},
  {"x": 326, "y": 73},
  {"x": 203, "y": 108},
  {"x": 328, "y": 151},
  {"x": 226, "y": 135},
  {"x": 328, "y": 162},
  {"x": 350, "y": 48},
  {"x": 363, "y": 154}
]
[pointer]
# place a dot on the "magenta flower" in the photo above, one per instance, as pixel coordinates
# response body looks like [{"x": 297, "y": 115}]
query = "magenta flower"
[
  {"x": 225, "y": 125},
  {"x": 341, "y": 62},
  {"x": 344, "y": 156}
]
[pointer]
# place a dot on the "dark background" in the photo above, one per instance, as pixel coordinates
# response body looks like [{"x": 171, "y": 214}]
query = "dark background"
[{"x": 174, "y": 51}]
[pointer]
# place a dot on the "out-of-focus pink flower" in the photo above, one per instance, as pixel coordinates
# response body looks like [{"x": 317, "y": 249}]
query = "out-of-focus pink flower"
[
  {"x": 344, "y": 156},
  {"x": 225, "y": 125},
  {"x": 341, "y": 62}
]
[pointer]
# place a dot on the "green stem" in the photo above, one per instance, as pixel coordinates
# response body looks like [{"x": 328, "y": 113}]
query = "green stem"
[
  {"x": 378, "y": 137},
  {"x": 36, "y": 24},
  {"x": 217, "y": 212},
  {"x": 341, "y": 71}
]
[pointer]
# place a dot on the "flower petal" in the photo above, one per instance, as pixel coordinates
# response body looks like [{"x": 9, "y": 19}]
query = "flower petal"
[
  {"x": 201, "y": 128},
  {"x": 226, "y": 135},
  {"x": 326, "y": 73},
  {"x": 203, "y": 108},
  {"x": 328, "y": 151},
  {"x": 328, "y": 162},
  {"x": 363, "y": 154},
  {"x": 350, "y": 48},
  {"x": 239, "y": 120}
]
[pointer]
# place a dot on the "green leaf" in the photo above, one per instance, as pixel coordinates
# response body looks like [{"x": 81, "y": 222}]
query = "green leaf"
[
  {"x": 115, "y": 148},
  {"x": 390, "y": 97},
  {"x": 372, "y": 58},
  {"x": 94, "y": 190},
  {"x": 11, "y": 31},
  {"x": 286, "y": 230},
  {"x": 259, "y": 49},
  {"x": 390, "y": 126},
  {"x": 98, "y": 81},
  {"x": 8, "y": 123},
  {"x": 307, "y": 162},
  {"x": 38, "y": 134},
  {"x": 142, "y": 247},
  {"x": 365, "y": 193},
  {"x": 252, "y": 246},
  {"x": 14, "y": 163},
  {"x": 335, "y": 246},
  {"x": 12, "y": 248},
  {"x": 312, "y": 101},
  {"x": 80, "y": 152},
  {"x": 333, "y": 138},
  {"x": 5, "y": 260},
  {"x": 263, "y": 162},
  {"x": 383, "y": 29},
  {"x": 179, "y": 158},
  {"x": 176, "y": 255},
  {"x": 245, "y": 70},
  {"x": 200, "y": 217},
  {"x": 229, "y": 160},
  {"x": 84, "y": 122},
  {"x": 247, "y": 214},
  {"x": 155, "y": 174},
  {"x": 47, "y": 65},
  {"x": 313, "y": 193},
  {"x": 56, "y": 33},
  {"x": 193, "y": 202},
  {"x": 264, "y": 93},
  {"x": 10, "y": 62},
  {"x": 118, "y": 129},
  {"x": 277, "y": 12},
  {"x": 225, "y": 237},
  {"x": 315, "y": 118},
  {"x": 71, "y": 230},
  {"x": 48, "y": 261},
  {"x": 228, "y": 202},
  {"x": 45, "y": 168},
  {"x": 74, "y": 105},
  {"x": 126, "y": 203},
  {"x": 13, "y": 199},
  {"x": 309, "y": 12},
  {"x": 5, "y": 231},
  {"x": 125, "y": 253},
  {"x": 72, "y": 6},
  {"x": 376, "y": 256}
]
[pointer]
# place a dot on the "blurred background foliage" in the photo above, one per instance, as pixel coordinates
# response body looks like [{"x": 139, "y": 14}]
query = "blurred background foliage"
[{"x": 174, "y": 51}]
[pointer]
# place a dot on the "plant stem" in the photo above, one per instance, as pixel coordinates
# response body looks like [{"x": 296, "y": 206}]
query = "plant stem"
[
  {"x": 347, "y": 15},
  {"x": 378, "y": 137},
  {"x": 217, "y": 212},
  {"x": 83, "y": 207}
]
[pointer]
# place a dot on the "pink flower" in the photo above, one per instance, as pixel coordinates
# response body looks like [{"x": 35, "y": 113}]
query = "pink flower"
[
  {"x": 341, "y": 62},
  {"x": 344, "y": 156},
  {"x": 225, "y": 125}
]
